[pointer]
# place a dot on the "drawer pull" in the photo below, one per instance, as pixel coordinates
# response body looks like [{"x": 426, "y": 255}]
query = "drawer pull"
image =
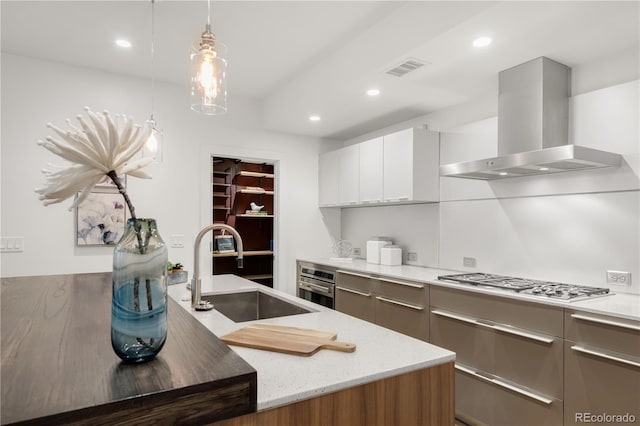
[
  {"x": 348, "y": 290},
  {"x": 505, "y": 385},
  {"x": 353, "y": 273},
  {"x": 319, "y": 288},
  {"x": 606, "y": 322},
  {"x": 458, "y": 318},
  {"x": 386, "y": 280},
  {"x": 601, "y": 355},
  {"x": 521, "y": 333},
  {"x": 497, "y": 327},
  {"x": 395, "y": 302}
]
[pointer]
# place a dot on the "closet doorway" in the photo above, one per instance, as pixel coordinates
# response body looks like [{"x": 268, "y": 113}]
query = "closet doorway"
[{"x": 243, "y": 197}]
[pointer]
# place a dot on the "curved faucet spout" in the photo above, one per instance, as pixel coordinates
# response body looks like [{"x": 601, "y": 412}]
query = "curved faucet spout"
[{"x": 196, "y": 283}]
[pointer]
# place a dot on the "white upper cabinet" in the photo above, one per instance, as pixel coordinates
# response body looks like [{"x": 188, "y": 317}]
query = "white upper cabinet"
[
  {"x": 401, "y": 167},
  {"x": 411, "y": 166},
  {"x": 371, "y": 164},
  {"x": 329, "y": 179},
  {"x": 349, "y": 175}
]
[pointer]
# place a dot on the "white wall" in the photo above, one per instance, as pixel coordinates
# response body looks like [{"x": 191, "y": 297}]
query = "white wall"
[
  {"x": 35, "y": 92},
  {"x": 569, "y": 227}
]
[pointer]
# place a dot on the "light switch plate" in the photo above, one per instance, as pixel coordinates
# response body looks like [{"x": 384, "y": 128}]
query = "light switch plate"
[
  {"x": 177, "y": 240},
  {"x": 12, "y": 244},
  {"x": 412, "y": 256}
]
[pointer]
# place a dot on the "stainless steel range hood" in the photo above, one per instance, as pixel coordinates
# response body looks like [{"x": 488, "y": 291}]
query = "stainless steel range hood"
[{"x": 533, "y": 128}]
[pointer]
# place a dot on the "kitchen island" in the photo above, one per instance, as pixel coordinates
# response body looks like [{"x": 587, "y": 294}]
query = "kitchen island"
[
  {"x": 58, "y": 367},
  {"x": 390, "y": 378}
]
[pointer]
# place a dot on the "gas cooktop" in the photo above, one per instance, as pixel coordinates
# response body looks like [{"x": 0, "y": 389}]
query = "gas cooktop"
[{"x": 559, "y": 291}]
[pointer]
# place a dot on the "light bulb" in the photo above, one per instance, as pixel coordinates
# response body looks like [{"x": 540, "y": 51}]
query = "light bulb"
[
  {"x": 152, "y": 143},
  {"x": 207, "y": 74}
]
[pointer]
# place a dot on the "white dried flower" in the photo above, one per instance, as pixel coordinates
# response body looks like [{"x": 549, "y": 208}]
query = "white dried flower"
[{"x": 96, "y": 150}]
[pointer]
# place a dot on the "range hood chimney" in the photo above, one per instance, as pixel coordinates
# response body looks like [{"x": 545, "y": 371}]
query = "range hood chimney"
[{"x": 533, "y": 127}]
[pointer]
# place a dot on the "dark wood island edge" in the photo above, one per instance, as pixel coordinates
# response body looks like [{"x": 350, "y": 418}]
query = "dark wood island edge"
[{"x": 54, "y": 371}]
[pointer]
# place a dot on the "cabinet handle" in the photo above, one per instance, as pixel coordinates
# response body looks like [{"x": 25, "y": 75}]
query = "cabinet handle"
[
  {"x": 353, "y": 273},
  {"x": 391, "y": 200},
  {"x": 370, "y": 201},
  {"x": 386, "y": 280},
  {"x": 359, "y": 293},
  {"x": 601, "y": 355},
  {"x": 395, "y": 302},
  {"x": 521, "y": 333},
  {"x": 505, "y": 385},
  {"x": 606, "y": 322},
  {"x": 498, "y": 327},
  {"x": 458, "y": 317}
]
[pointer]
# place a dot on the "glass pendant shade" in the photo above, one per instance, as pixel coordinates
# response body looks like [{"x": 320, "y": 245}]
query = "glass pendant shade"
[
  {"x": 209, "y": 79},
  {"x": 153, "y": 146}
]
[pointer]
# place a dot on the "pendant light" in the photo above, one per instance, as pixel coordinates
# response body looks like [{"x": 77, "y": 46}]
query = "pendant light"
[
  {"x": 153, "y": 147},
  {"x": 209, "y": 73}
]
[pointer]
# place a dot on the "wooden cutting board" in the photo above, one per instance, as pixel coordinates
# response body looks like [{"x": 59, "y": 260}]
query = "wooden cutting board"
[{"x": 289, "y": 340}]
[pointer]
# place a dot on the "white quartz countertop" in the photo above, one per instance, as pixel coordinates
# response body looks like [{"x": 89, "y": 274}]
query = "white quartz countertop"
[
  {"x": 284, "y": 379},
  {"x": 619, "y": 305}
]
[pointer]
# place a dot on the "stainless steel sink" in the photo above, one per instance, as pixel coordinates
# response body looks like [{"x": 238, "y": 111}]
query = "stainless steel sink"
[{"x": 252, "y": 305}]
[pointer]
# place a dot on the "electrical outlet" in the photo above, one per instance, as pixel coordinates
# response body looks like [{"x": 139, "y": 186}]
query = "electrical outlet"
[
  {"x": 357, "y": 251},
  {"x": 412, "y": 256},
  {"x": 469, "y": 262},
  {"x": 621, "y": 278}
]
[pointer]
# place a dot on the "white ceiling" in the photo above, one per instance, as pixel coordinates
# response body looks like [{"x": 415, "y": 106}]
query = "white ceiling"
[{"x": 303, "y": 57}]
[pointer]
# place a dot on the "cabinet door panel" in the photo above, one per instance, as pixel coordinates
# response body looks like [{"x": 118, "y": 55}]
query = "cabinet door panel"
[
  {"x": 355, "y": 303},
  {"x": 349, "y": 174},
  {"x": 617, "y": 334},
  {"x": 371, "y": 164},
  {"x": 329, "y": 178},
  {"x": 532, "y": 364},
  {"x": 597, "y": 385},
  {"x": 409, "y": 319},
  {"x": 472, "y": 344},
  {"x": 398, "y": 166},
  {"x": 479, "y": 401}
]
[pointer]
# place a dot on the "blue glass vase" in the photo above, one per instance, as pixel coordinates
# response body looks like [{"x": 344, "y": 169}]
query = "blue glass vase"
[{"x": 139, "y": 299}]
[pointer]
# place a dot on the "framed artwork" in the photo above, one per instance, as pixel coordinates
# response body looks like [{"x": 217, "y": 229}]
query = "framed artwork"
[{"x": 100, "y": 219}]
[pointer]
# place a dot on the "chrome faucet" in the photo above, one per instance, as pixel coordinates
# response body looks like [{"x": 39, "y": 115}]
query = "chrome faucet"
[{"x": 196, "y": 284}]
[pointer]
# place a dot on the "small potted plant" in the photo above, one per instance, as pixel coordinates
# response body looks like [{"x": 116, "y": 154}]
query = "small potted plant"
[{"x": 176, "y": 273}]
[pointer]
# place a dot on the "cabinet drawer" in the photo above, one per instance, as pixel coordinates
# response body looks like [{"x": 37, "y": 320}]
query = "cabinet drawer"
[
  {"x": 533, "y": 360},
  {"x": 531, "y": 316},
  {"x": 487, "y": 400},
  {"x": 617, "y": 334},
  {"x": 360, "y": 304},
  {"x": 354, "y": 280},
  {"x": 600, "y": 381},
  {"x": 408, "y": 291},
  {"x": 403, "y": 317}
]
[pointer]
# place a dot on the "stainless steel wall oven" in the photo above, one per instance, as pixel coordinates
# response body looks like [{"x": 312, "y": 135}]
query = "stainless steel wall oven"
[{"x": 316, "y": 284}]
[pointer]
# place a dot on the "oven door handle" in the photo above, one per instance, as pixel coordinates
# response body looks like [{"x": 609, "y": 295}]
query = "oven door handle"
[{"x": 311, "y": 287}]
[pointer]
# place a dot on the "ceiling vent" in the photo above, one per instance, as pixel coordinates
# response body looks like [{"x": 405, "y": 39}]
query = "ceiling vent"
[{"x": 405, "y": 67}]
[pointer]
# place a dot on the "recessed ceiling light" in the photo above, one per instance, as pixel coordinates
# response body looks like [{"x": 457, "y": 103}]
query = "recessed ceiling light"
[
  {"x": 503, "y": 173},
  {"x": 373, "y": 92},
  {"x": 482, "y": 41},
  {"x": 314, "y": 117},
  {"x": 543, "y": 169},
  {"x": 123, "y": 43}
]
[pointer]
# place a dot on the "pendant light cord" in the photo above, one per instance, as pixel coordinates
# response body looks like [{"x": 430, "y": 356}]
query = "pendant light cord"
[
  {"x": 208, "y": 13},
  {"x": 153, "y": 78}
]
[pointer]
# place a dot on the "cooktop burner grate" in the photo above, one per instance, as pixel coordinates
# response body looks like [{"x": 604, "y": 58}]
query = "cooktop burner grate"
[{"x": 559, "y": 291}]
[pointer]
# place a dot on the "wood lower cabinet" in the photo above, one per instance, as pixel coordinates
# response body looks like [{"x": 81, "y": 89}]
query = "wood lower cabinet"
[
  {"x": 602, "y": 369},
  {"x": 505, "y": 374},
  {"x": 399, "y": 305}
]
